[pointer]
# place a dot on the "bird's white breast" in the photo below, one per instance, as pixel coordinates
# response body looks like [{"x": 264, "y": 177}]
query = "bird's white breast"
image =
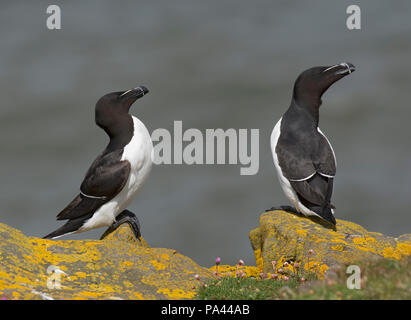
[
  {"x": 285, "y": 184},
  {"x": 138, "y": 153}
]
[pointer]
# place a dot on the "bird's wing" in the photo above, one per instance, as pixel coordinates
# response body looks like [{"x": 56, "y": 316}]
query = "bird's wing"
[
  {"x": 305, "y": 156},
  {"x": 326, "y": 160},
  {"x": 314, "y": 191},
  {"x": 107, "y": 176},
  {"x": 103, "y": 181}
]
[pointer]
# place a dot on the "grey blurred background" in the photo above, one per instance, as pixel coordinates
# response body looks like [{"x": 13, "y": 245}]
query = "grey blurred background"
[{"x": 212, "y": 64}]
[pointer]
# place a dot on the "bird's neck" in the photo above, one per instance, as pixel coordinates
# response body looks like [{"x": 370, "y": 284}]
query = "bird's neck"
[
  {"x": 301, "y": 110},
  {"x": 120, "y": 133}
]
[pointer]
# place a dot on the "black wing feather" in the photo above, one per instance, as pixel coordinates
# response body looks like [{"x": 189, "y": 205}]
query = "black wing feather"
[
  {"x": 316, "y": 190},
  {"x": 103, "y": 181},
  {"x": 303, "y": 153}
]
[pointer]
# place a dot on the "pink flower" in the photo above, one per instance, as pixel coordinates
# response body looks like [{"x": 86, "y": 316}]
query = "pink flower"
[
  {"x": 285, "y": 264},
  {"x": 311, "y": 251},
  {"x": 296, "y": 265},
  {"x": 240, "y": 262},
  {"x": 280, "y": 270},
  {"x": 217, "y": 261},
  {"x": 302, "y": 279},
  {"x": 274, "y": 276},
  {"x": 197, "y": 277},
  {"x": 285, "y": 278},
  {"x": 262, "y": 275}
]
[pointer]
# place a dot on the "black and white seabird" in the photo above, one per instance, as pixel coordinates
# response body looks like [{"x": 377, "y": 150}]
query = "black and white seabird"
[
  {"x": 303, "y": 156},
  {"x": 117, "y": 174}
]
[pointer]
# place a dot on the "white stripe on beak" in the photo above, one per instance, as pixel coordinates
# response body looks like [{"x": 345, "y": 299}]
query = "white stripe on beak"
[
  {"x": 132, "y": 90},
  {"x": 332, "y": 67},
  {"x": 125, "y": 92}
]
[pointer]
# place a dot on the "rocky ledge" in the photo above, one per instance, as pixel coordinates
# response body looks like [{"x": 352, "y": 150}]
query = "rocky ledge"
[
  {"x": 123, "y": 267},
  {"x": 117, "y": 267},
  {"x": 283, "y": 236}
]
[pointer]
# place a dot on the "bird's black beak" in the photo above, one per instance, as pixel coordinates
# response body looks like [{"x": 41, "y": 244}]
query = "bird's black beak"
[
  {"x": 135, "y": 93},
  {"x": 342, "y": 69}
]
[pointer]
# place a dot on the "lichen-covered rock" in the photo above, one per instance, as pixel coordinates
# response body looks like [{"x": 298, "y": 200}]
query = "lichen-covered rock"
[
  {"x": 117, "y": 267},
  {"x": 284, "y": 236}
]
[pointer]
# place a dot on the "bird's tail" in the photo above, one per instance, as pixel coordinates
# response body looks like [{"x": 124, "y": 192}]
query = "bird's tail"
[
  {"x": 326, "y": 213},
  {"x": 57, "y": 234},
  {"x": 71, "y": 226}
]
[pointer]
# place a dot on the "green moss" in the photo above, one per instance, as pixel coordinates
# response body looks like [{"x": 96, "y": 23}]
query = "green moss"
[
  {"x": 383, "y": 279},
  {"x": 250, "y": 288},
  {"x": 228, "y": 288}
]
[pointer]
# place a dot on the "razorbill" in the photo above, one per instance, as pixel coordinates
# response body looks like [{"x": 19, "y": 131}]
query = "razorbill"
[
  {"x": 117, "y": 174},
  {"x": 303, "y": 156}
]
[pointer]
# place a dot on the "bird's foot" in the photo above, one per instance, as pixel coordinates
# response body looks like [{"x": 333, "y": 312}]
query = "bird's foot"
[
  {"x": 284, "y": 208},
  {"x": 125, "y": 216}
]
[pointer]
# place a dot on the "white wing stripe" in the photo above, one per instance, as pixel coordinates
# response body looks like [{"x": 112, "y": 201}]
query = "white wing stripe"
[
  {"x": 335, "y": 158},
  {"x": 303, "y": 179}
]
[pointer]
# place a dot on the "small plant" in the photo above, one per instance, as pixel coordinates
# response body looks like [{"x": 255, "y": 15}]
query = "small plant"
[
  {"x": 202, "y": 283},
  {"x": 310, "y": 253},
  {"x": 217, "y": 262},
  {"x": 238, "y": 273}
]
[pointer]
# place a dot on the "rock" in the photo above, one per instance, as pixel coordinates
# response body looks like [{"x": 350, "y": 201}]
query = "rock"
[
  {"x": 283, "y": 236},
  {"x": 117, "y": 267}
]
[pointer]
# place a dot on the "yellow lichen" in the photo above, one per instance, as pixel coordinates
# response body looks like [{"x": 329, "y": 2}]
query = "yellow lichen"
[
  {"x": 403, "y": 249},
  {"x": 81, "y": 274},
  {"x": 176, "y": 293},
  {"x": 338, "y": 248},
  {"x": 128, "y": 284},
  {"x": 259, "y": 259},
  {"x": 127, "y": 264},
  {"x": 285, "y": 236},
  {"x": 389, "y": 252},
  {"x": 158, "y": 265},
  {"x": 231, "y": 271},
  {"x": 363, "y": 240}
]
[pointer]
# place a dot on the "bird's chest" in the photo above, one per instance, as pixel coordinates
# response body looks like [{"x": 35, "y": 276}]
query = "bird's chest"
[{"x": 138, "y": 153}]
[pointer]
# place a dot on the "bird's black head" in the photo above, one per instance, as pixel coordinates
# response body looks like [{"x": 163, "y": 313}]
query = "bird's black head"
[
  {"x": 116, "y": 105},
  {"x": 312, "y": 83}
]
